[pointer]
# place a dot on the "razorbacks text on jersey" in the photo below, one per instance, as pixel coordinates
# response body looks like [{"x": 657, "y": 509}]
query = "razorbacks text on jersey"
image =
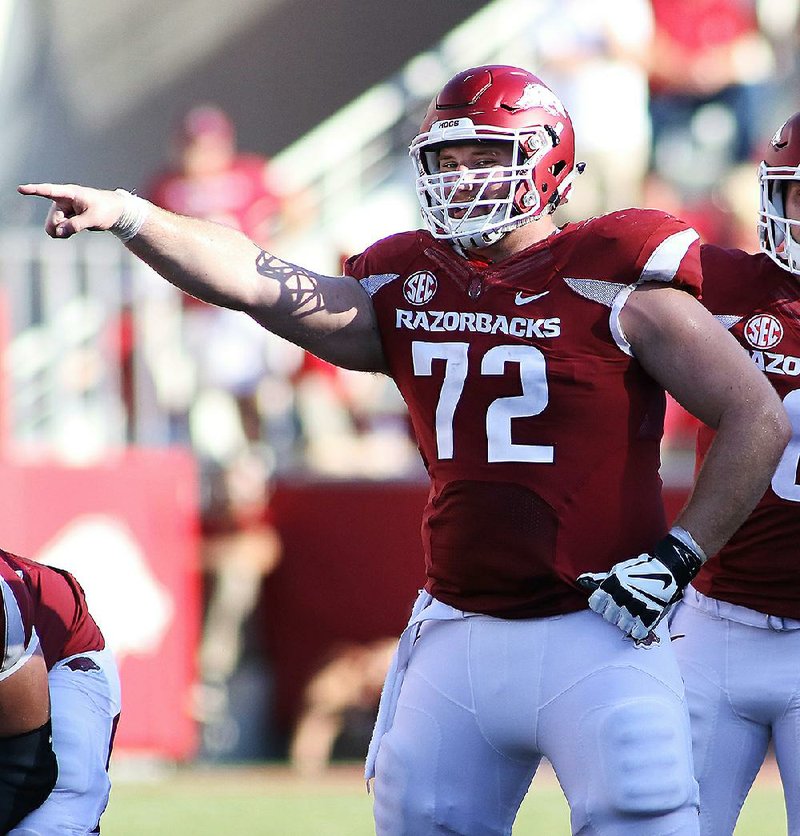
[
  {"x": 758, "y": 302},
  {"x": 538, "y": 428}
]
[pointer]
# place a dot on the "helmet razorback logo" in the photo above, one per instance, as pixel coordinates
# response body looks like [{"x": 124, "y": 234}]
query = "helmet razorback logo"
[
  {"x": 537, "y": 95},
  {"x": 420, "y": 287},
  {"x": 776, "y": 141},
  {"x": 763, "y": 331}
]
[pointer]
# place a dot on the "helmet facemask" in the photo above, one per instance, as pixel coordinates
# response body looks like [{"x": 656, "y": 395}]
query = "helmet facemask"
[
  {"x": 475, "y": 207},
  {"x": 774, "y": 228}
]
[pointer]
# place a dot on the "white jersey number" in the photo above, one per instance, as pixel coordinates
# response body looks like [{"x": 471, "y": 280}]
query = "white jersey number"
[
  {"x": 533, "y": 377},
  {"x": 784, "y": 480}
]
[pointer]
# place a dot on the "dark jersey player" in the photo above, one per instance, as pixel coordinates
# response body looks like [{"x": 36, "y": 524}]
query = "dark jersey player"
[
  {"x": 738, "y": 629},
  {"x": 84, "y": 700},
  {"x": 28, "y": 767},
  {"x": 533, "y": 361}
]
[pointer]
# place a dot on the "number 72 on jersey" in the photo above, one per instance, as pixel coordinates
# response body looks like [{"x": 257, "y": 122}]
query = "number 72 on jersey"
[{"x": 532, "y": 401}]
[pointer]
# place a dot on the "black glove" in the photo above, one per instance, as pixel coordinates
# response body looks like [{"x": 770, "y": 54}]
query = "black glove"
[{"x": 636, "y": 594}]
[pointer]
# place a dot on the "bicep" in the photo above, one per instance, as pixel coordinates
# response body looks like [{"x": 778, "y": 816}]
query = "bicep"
[
  {"x": 681, "y": 346},
  {"x": 330, "y": 316}
]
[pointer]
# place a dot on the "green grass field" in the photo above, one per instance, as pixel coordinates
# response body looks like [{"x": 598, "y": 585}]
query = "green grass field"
[{"x": 270, "y": 801}]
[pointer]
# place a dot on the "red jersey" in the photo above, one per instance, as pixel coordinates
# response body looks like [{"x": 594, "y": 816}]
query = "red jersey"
[
  {"x": 698, "y": 25},
  {"x": 241, "y": 196},
  {"x": 60, "y": 613},
  {"x": 759, "y": 303},
  {"x": 539, "y": 432}
]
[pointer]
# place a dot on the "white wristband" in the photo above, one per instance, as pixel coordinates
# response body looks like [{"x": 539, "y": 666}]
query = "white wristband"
[
  {"x": 134, "y": 214},
  {"x": 683, "y": 535}
]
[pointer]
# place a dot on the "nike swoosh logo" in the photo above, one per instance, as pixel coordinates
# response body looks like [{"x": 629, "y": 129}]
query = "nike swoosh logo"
[
  {"x": 521, "y": 299},
  {"x": 656, "y": 576}
]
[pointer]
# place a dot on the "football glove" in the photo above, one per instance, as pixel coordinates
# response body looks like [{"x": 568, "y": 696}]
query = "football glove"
[{"x": 637, "y": 593}]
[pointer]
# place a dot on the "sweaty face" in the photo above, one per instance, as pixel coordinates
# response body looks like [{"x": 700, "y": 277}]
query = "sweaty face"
[
  {"x": 480, "y": 170},
  {"x": 792, "y": 207}
]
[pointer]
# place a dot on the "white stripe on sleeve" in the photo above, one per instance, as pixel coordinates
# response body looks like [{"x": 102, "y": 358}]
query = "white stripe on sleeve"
[{"x": 667, "y": 256}]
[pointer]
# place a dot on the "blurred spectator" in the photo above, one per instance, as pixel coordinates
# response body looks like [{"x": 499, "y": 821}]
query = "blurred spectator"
[
  {"x": 302, "y": 408},
  {"x": 779, "y": 22},
  {"x": 708, "y": 212},
  {"x": 344, "y": 690},
  {"x": 233, "y": 367},
  {"x": 241, "y": 547},
  {"x": 351, "y": 424},
  {"x": 209, "y": 178},
  {"x": 594, "y": 54},
  {"x": 707, "y": 62}
]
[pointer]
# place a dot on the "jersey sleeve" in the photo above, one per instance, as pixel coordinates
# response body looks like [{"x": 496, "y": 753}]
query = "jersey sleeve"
[
  {"x": 670, "y": 253},
  {"x": 635, "y": 246},
  {"x": 58, "y": 610},
  {"x": 624, "y": 250},
  {"x": 20, "y": 637}
]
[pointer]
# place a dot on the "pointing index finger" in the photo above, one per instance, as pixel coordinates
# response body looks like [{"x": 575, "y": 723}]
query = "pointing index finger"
[{"x": 51, "y": 190}]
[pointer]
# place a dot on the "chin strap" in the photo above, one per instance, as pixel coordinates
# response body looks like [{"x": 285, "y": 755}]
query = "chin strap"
[{"x": 479, "y": 240}]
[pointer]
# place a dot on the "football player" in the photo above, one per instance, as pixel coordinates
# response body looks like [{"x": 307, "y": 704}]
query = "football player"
[
  {"x": 533, "y": 360},
  {"x": 84, "y": 696},
  {"x": 28, "y": 766},
  {"x": 737, "y": 631}
]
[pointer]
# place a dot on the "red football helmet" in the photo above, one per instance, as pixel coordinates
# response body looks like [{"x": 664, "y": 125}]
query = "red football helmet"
[
  {"x": 781, "y": 164},
  {"x": 494, "y": 103}
]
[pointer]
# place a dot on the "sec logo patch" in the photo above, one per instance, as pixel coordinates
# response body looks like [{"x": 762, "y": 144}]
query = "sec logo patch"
[
  {"x": 763, "y": 331},
  {"x": 419, "y": 287}
]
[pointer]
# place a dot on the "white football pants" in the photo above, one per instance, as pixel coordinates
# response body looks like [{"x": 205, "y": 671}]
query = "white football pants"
[
  {"x": 85, "y": 703},
  {"x": 742, "y": 675},
  {"x": 484, "y": 699}
]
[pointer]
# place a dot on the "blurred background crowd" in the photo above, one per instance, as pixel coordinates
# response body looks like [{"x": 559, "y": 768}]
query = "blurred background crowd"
[{"x": 673, "y": 102}]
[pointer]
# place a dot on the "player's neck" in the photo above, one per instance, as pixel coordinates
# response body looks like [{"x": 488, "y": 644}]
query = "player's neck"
[{"x": 517, "y": 240}]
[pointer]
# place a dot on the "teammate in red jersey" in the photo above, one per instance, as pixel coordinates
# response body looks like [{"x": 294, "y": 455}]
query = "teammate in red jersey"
[
  {"x": 84, "y": 696},
  {"x": 210, "y": 178},
  {"x": 737, "y": 632},
  {"x": 533, "y": 361},
  {"x": 28, "y": 766}
]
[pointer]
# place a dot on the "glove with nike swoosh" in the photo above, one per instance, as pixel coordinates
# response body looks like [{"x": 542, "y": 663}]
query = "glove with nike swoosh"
[{"x": 637, "y": 593}]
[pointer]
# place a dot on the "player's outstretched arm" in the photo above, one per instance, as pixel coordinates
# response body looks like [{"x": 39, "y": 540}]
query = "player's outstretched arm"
[
  {"x": 331, "y": 316},
  {"x": 694, "y": 358}
]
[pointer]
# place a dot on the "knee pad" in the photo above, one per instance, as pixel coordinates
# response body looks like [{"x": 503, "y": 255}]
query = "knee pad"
[
  {"x": 28, "y": 773},
  {"x": 646, "y": 764}
]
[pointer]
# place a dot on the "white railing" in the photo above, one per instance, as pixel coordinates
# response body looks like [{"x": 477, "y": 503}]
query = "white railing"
[
  {"x": 82, "y": 319},
  {"x": 99, "y": 352}
]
